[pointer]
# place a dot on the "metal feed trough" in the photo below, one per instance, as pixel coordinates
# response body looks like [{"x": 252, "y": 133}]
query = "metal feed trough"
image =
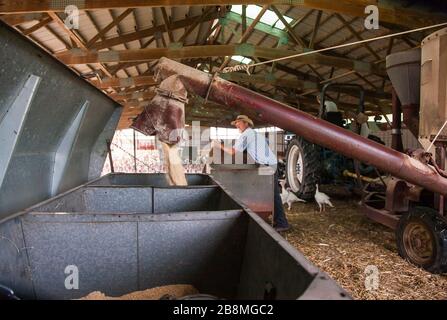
[{"x": 129, "y": 232}]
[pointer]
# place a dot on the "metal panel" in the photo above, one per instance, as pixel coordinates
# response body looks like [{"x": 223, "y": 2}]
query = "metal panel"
[
  {"x": 124, "y": 200},
  {"x": 14, "y": 270},
  {"x": 265, "y": 261},
  {"x": 269, "y": 258},
  {"x": 150, "y": 179},
  {"x": 70, "y": 202},
  {"x": 99, "y": 151},
  {"x": 11, "y": 122},
  {"x": 241, "y": 180},
  {"x": 190, "y": 199},
  {"x": 104, "y": 253},
  {"x": 204, "y": 253},
  {"x": 28, "y": 177},
  {"x": 65, "y": 149}
]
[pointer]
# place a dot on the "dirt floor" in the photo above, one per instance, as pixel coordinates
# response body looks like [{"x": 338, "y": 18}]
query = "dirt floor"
[{"x": 343, "y": 243}]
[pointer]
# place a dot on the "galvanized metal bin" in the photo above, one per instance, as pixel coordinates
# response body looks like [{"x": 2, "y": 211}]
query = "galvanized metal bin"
[{"x": 129, "y": 232}]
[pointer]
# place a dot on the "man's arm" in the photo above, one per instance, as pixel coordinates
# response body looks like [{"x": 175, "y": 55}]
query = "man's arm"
[{"x": 230, "y": 151}]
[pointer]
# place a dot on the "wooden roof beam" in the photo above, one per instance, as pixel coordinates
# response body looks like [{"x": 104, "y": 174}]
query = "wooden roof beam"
[
  {"x": 107, "y": 28},
  {"x": 76, "y": 56},
  {"x": 346, "y": 24},
  {"x": 37, "y": 26},
  {"x": 394, "y": 13},
  {"x": 315, "y": 30},
  {"x": 298, "y": 40},
  {"x": 246, "y": 34},
  {"x": 167, "y": 24},
  {"x": 124, "y": 82},
  {"x": 75, "y": 38},
  {"x": 149, "y": 32},
  {"x": 16, "y": 19},
  {"x": 146, "y": 95}
]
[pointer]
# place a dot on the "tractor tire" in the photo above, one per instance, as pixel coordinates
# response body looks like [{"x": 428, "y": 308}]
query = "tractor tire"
[
  {"x": 303, "y": 167},
  {"x": 421, "y": 237}
]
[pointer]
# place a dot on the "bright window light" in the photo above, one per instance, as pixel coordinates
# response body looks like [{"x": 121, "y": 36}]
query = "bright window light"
[
  {"x": 253, "y": 11},
  {"x": 241, "y": 59},
  {"x": 281, "y": 25},
  {"x": 237, "y": 8},
  {"x": 215, "y": 30},
  {"x": 224, "y": 133},
  {"x": 269, "y": 17}
]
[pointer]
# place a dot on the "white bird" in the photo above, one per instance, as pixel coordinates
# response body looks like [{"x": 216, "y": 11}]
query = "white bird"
[
  {"x": 287, "y": 196},
  {"x": 322, "y": 199}
]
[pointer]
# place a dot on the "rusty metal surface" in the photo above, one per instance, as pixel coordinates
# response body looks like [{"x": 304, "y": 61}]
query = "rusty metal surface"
[
  {"x": 396, "y": 200},
  {"x": 381, "y": 216},
  {"x": 411, "y": 118},
  {"x": 433, "y": 84},
  {"x": 440, "y": 161},
  {"x": 165, "y": 114},
  {"x": 396, "y": 132},
  {"x": 404, "y": 71},
  {"x": 311, "y": 128}
]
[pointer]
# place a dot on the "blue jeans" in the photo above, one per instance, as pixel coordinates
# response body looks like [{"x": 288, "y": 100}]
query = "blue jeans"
[{"x": 279, "y": 217}]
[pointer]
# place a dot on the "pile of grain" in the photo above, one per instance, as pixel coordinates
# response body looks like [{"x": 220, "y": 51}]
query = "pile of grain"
[
  {"x": 175, "y": 174},
  {"x": 343, "y": 242},
  {"x": 177, "y": 291}
]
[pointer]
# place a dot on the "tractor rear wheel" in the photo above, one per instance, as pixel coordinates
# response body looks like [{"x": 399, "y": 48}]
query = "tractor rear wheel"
[
  {"x": 302, "y": 167},
  {"x": 421, "y": 238}
]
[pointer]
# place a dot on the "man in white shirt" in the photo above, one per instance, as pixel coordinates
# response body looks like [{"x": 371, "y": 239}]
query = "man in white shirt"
[{"x": 257, "y": 147}]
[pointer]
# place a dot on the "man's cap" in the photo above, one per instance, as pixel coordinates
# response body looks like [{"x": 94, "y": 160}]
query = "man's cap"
[{"x": 243, "y": 118}]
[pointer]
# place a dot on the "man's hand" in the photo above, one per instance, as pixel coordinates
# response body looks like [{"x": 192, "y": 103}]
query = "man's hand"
[{"x": 220, "y": 145}]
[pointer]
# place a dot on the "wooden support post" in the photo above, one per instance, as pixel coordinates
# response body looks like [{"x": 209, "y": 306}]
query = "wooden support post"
[
  {"x": 134, "y": 151},
  {"x": 109, "y": 151}
]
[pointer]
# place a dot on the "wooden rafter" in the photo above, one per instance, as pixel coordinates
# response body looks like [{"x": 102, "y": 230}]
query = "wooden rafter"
[
  {"x": 167, "y": 24},
  {"x": 75, "y": 38},
  {"x": 16, "y": 19},
  {"x": 357, "y": 35},
  {"x": 124, "y": 82},
  {"x": 71, "y": 33},
  {"x": 37, "y": 26},
  {"x": 133, "y": 55},
  {"x": 247, "y": 33},
  {"x": 394, "y": 13},
  {"x": 181, "y": 24},
  {"x": 315, "y": 30},
  {"x": 244, "y": 18},
  {"x": 289, "y": 28},
  {"x": 146, "y": 95},
  {"x": 197, "y": 21},
  {"x": 109, "y": 27}
]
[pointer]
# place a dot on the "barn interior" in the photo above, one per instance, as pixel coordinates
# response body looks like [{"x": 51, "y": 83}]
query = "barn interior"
[{"x": 116, "y": 118}]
